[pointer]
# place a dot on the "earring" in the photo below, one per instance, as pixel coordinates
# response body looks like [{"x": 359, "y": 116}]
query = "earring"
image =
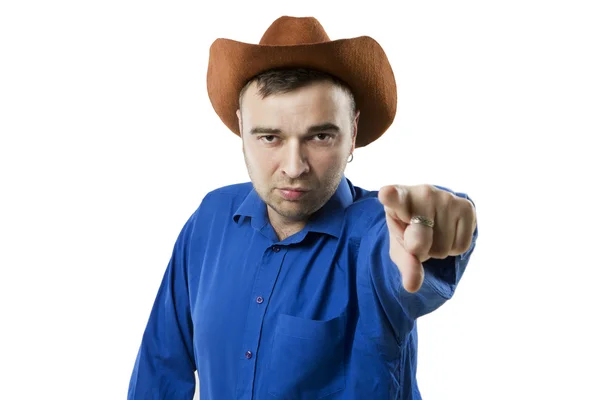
[{"x": 351, "y": 157}]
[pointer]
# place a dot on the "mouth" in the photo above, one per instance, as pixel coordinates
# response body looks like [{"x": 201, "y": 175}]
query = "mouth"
[{"x": 292, "y": 193}]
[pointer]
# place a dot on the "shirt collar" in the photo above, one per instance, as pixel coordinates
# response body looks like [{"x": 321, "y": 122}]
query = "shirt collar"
[
  {"x": 254, "y": 208},
  {"x": 328, "y": 219}
]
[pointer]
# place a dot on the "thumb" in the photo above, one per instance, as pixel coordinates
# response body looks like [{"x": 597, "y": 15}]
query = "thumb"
[{"x": 410, "y": 266}]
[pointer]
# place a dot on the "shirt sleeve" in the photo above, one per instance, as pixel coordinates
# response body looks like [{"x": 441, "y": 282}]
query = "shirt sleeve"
[
  {"x": 164, "y": 367},
  {"x": 383, "y": 297}
]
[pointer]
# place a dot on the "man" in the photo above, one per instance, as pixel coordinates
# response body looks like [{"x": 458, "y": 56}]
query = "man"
[{"x": 300, "y": 285}]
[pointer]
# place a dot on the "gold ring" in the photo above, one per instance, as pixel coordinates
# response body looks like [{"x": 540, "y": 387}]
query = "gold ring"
[{"x": 419, "y": 219}]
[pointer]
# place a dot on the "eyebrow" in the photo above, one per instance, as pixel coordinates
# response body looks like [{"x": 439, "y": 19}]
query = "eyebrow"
[
  {"x": 323, "y": 127},
  {"x": 260, "y": 129},
  {"x": 313, "y": 129}
]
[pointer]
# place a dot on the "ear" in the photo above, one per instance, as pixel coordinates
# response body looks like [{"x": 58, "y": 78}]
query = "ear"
[
  {"x": 355, "y": 130},
  {"x": 239, "y": 116}
]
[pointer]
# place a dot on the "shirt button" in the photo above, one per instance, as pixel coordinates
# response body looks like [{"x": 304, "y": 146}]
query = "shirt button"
[
  {"x": 259, "y": 299},
  {"x": 248, "y": 354},
  {"x": 275, "y": 249}
]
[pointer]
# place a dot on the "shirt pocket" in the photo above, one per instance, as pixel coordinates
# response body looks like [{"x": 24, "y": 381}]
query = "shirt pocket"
[{"x": 307, "y": 358}]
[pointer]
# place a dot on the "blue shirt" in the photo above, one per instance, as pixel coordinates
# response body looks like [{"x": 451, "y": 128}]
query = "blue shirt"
[{"x": 321, "y": 314}]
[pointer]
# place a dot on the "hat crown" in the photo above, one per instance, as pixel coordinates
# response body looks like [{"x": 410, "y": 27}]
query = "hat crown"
[{"x": 287, "y": 31}]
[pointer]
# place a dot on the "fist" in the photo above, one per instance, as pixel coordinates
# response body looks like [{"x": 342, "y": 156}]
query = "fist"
[{"x": 454, "y": 222}]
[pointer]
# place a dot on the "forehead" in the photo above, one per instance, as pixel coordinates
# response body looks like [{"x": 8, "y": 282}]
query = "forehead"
[{"x": 319, "y": 102}]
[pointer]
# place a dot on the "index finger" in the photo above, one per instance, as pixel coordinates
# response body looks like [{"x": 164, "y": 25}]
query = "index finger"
[{"x": 396, "y": 202}]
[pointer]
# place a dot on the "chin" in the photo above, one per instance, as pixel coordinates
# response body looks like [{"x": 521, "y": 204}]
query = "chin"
[{"x": 293, "y": 212}]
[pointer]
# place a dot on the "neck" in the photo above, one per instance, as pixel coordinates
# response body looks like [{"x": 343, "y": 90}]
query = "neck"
[{"x": 283, "y": 227}]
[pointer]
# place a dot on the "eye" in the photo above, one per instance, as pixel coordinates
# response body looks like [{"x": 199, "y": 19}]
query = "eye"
[
  {"x": 321, "y": 137},
  {"x": 268, "y": 138}
]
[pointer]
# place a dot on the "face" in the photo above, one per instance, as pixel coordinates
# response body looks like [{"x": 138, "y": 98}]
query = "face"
[{"x": 296, "y": 146}]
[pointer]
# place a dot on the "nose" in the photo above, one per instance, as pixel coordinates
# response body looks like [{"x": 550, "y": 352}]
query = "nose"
[{"x": 294, "y": 163}]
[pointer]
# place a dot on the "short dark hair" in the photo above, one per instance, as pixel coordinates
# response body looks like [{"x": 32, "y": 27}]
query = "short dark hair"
[{"x": 284, "y": 80}]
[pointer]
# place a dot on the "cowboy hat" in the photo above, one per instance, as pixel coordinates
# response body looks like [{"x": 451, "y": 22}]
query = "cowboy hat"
[{"x": 290, "y": 42}]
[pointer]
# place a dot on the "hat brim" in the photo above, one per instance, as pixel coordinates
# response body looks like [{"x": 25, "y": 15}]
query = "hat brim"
[{"x": 360, "y": 62}]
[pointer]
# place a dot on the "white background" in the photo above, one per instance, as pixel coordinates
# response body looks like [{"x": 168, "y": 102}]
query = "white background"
[{"x": 108, "y": 144}]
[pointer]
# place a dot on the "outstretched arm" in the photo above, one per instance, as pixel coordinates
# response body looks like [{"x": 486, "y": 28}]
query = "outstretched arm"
[{"x": 407, "y": 270}]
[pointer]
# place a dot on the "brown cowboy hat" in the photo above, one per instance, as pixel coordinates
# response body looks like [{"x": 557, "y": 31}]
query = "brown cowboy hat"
[{"x": 302, "y": 42}]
